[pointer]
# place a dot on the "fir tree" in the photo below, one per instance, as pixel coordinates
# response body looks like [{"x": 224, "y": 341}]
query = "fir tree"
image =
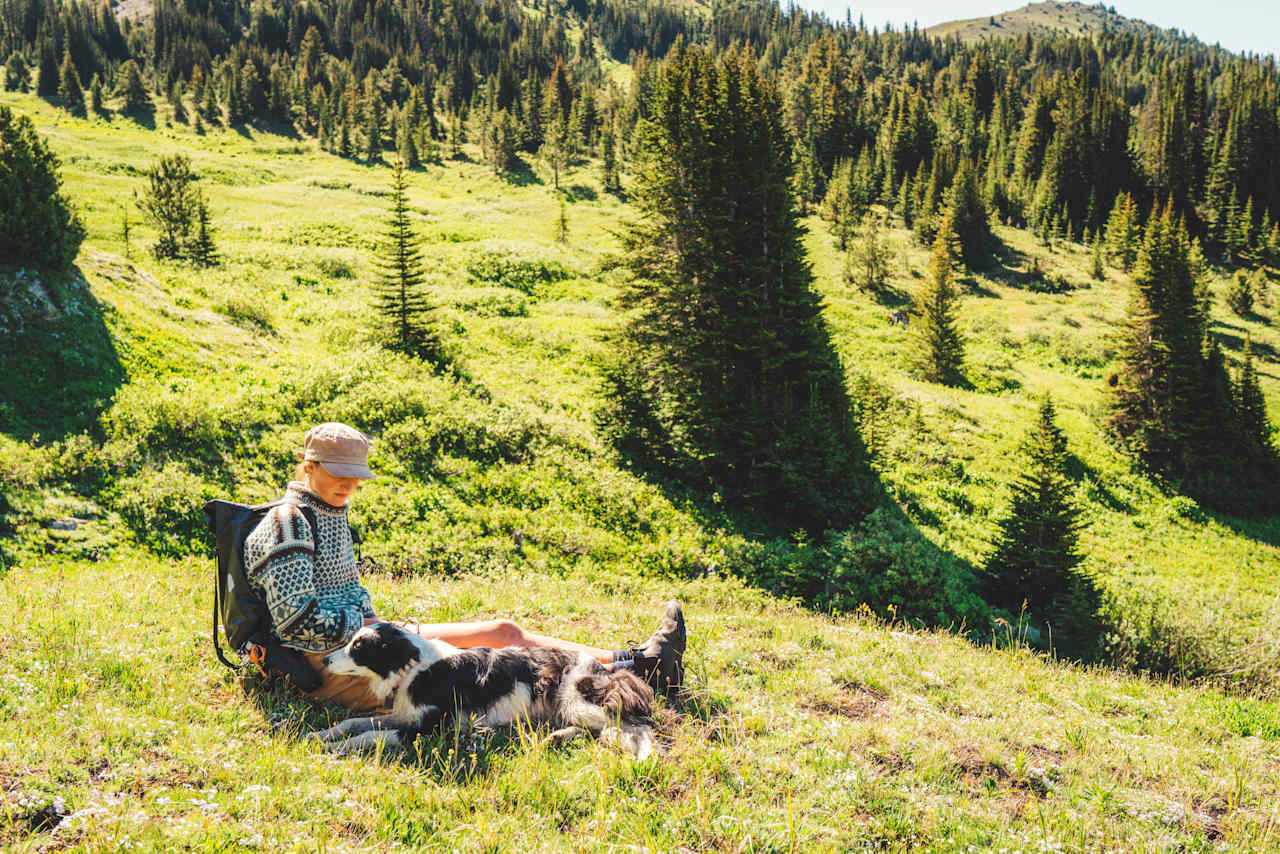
[
  {"x": 1250, "y": 406},
  {"x": 1123, "y": 231},
  {"x": 406, "y": 146},
  {"x": 941, "y": 348},
  {"x": 723, "y": 374},
  {"x": 170, "y": 203},
  {"x": 609, "y": 161},
  {"x": 175, "y": 101},
  {"x": 38, "y": 227},
  {"x": 1240, "y": 295},
  {"x": 200, "y": 250},
  {"x": 130, "y": 87},
  {"x": 95, "y": 95},
  {"x": 969, "y": 216},
  {"x": 17, "y": 77},
  {"x": 867, "y": 263},
  {"x": 399, "y": 293},
  {"x": 1035, "y": 559},
  {"x": 48, "y": 79},
  {"x": 1098, "y": 270},
  {"x": 69, "y": 88}
]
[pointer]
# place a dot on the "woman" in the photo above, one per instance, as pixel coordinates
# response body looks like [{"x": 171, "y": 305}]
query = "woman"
[{"x": 313, "y": 591}]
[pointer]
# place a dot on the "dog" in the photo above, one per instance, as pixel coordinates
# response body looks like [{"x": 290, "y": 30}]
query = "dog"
[{"x": 429, "y": 684}]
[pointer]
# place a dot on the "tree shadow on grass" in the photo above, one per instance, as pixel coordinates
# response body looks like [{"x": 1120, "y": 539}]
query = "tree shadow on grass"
[
  {"x": 521, "y": 175},
  {"x": 1079, "y": 471},
  {"x": 58, "y": 364}
]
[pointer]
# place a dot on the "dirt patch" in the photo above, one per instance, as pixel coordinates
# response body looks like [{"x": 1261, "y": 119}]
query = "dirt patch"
[{"x": 855, "y": 700}]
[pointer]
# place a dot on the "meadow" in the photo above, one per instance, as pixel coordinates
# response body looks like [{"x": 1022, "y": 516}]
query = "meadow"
[{"x": 168, "y": 385}]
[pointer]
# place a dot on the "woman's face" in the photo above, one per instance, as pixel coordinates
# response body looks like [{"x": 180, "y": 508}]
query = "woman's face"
[{"x": 336, "y": 491}]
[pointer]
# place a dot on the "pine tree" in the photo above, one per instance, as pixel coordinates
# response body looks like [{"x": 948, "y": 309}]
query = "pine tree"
[
  {"x": 1035, "y": 559},
  {"x": 17, "y": 77},
  {"x": 47, "y": 81},
  {"x": 1250, "y": 406},
  {"x": 170, "y": 203},
  {"x": 129, "y": 86},
  {"x": 38, "y": 227},
  {"x": 95, "y": 94},
  {"x": 1240, "y": 294},
  {"x": 867, "y": 263},
  {"x": 400, "y": 289},
  {"x": 609, "y": 161},
  {"x": 1123, "y": 231},
  {"x": 723, "y": 375},
  {"x": 201, "y": 250},
  {"x": 941, "y": 348},
  {"x": 69, "y": 88}
]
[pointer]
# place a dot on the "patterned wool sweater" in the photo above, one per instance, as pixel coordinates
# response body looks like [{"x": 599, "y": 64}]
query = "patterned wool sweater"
[{"x": 315, "y": 597}]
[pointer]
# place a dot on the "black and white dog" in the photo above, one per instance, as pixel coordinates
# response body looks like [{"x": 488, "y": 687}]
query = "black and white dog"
[{"x": 429, "y": 683}]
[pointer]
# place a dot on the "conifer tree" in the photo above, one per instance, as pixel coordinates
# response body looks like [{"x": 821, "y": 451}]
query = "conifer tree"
[
  {"x": 170, "y": 203},
  {"x": 17, "y": 77},
  {"x": 1035, "y": 559},
  {"x": 940, "y": 354},
  {"x": 723, "y": 375},
  {"x": 867, "y": 263},
  {"x": 968, "y": 216},
  {"x": 1250, "y": 406},
  {"x": 201, "y": 250},
  {"x": 406, "y": 146},
  {"x": 609, "y": 161},
  {"x": 1098, "y": 270},
  {"x": 130, "y": 87},
  {"x": 69, "y": 88},
  {"x": 38, "y": 227},
  {"x": 1240, "y": 294},
  {"x": 1123, "y": 231},
  {"x": 175, "y": 101},
  {"x": 95, "y": 94},
  {"x": 48, "y": 80},
  {"x": 399, "y": 292}
]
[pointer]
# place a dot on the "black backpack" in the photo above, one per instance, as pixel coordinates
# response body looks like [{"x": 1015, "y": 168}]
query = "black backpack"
[{"x": 244, "y": 615}]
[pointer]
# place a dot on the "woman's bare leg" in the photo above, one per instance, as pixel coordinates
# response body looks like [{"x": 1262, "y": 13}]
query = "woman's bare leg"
[{"x": 499, "y": 633}]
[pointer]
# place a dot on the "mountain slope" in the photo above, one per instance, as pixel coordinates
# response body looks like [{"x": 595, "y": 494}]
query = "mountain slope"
[{"x": 1044, "y": 19}]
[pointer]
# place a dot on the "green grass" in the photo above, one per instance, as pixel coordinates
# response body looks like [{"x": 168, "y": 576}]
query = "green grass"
[{"x": 805, "y": 732}]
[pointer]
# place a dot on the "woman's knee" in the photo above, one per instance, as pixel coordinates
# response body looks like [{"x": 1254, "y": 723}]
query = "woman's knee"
[{"x": 509, "y": 633}]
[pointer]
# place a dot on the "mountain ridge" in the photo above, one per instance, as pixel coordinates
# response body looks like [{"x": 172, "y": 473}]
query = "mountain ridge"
[{"x": 1046, "y": 18}]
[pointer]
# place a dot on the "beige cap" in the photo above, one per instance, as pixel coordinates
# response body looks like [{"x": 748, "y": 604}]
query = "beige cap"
[{"x": 342, "y": 450}]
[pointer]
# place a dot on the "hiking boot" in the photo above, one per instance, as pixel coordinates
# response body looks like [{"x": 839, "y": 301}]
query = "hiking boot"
[{"x": 660, "y": 660}]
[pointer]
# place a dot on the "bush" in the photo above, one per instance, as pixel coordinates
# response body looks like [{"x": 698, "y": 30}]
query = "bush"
[
  {"x": 514, "y": 271},
  {"x": 163, "y": 507},
  {"x": 243, "y": 312},
  {"x": 37, "y": 226},
  {"x": 883, "y": 562}
]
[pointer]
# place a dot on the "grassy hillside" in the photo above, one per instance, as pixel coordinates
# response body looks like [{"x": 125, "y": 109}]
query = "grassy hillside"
[
  {"x": 1049, "y": 18},
  {"x": 803, "y": 732}
]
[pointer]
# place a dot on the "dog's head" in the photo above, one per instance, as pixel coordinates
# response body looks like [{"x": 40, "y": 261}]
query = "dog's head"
[
  {"x": 621, "y": 693},
  {"x": 374, "y": 652}
]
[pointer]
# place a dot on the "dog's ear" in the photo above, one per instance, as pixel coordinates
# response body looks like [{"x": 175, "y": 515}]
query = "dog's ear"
[
  {"x": 592, "y": 688},
  {"x": 618, "y": 693}
]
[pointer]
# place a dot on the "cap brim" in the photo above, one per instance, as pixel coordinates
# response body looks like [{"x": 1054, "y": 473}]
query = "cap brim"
[{"x": 347, "y": 470}]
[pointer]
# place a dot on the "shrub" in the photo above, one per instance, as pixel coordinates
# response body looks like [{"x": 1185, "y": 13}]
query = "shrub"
[
  {"x": 244, "y": 312},
  {"x": 37, "y": 225},
  {"x": 512, "y": 271},
  {"x": 163, "y": 508}
]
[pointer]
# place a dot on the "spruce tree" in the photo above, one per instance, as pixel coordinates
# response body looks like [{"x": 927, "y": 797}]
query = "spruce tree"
[
  {"x": 1123, "y": 231},
  {"x": 867, "y": 263},
  {"x": 48, "y": 80},
  {"x": 69, "y": 88},
  {"x": 1098, "y": 269},
  {"x": 200, "y": 250},
  {"x": 170, "y": 203},
  {"x": 96, "y": 102},
  {"x": 1250, "y": 406},
  {"x": 1035, "y": 559},
  {"x": 609, "y": 161},
  {"x": 1240, "y": 294},
  {"x": 968, "y": 216},
  {"x": 17, "y": 77},
  {"x": 940, "y": 356},
  {"x": 130, "y": 87},
  {"x": 37, "y": 226},
  {"x": 400, "y": 290},
  {"x": 723, "y": 375}
]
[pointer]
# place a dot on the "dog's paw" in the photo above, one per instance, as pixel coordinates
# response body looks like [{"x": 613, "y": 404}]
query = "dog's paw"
[{"x": 564, "y": 736}]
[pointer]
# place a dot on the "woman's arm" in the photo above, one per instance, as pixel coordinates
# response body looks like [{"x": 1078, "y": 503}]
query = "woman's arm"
[{"x": 280, "y": 559}]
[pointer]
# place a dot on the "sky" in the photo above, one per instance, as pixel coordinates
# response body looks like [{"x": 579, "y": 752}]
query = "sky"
[{"x": 1238, "y": 25}]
